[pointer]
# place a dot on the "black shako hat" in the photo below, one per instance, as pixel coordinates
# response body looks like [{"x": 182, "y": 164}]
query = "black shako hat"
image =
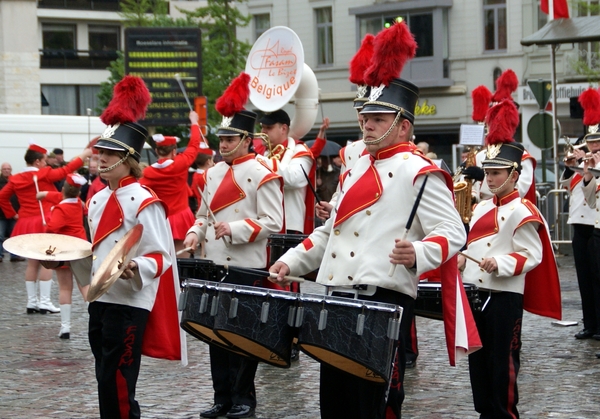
[
  {"x": 504, "y": 156},
  {"x": 400, "y": 96},
  {"x": 128, "y": 136},
  {"x": 241, "y": 123}
]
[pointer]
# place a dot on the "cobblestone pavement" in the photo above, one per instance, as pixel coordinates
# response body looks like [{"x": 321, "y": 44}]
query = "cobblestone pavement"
[{"x": 46, "y": 377}]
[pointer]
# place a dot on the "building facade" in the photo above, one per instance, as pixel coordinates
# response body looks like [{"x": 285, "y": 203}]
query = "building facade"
[{"x": 55, "y": 53}]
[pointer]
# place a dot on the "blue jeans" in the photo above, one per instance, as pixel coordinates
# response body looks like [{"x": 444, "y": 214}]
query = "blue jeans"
[{"x": 6, "y": 227}]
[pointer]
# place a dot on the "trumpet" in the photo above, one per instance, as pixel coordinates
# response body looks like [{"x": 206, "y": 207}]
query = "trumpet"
[{"x": 571, "y": 150}]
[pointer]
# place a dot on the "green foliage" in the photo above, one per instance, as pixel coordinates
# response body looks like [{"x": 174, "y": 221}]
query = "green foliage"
[{"x": 223, "y": 55}]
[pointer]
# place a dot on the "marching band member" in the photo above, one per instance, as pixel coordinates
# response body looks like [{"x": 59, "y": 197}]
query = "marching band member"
[
  {"x": 506, "y": 84},
  {"x": 246, "y": 198},
  {"x": 590, "y": 101},
  {"x": 138, "y": 313},
  {"x": 168, "y": 178},
  {"x": 517, "y": 269},
  {"x": 357, "y": 244},
  {"x": 287, "y": 158},
  {"x": 67, "y": 218},
  {"x": 32, "y": 215}
]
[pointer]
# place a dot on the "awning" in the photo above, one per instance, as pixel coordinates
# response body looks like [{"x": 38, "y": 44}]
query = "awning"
[{"x": 566, "y": 31}]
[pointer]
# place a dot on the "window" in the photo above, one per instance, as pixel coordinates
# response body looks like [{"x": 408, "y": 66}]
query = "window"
[
  {"x": 58, "y": 37},
  {"x": 69, "y": 100},
  {"x": 494, "y": 13},
  {"x": 420, "y": 24},
  {"x": 261, "y": 24},
  {"x": 589, "y": 52},
  {"x": 324, "y": 36},
  {"x": 103, "y": 38}
]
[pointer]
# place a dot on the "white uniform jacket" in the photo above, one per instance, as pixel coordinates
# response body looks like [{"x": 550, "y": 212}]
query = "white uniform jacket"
[
  {"x": 349, "y": 155},
  {"x": 111, "y": 215},
  {"x": 295, "y": 186},
  {"x": 507, "y": 230},
  {"x": 580, "y": 212},
  {"x": 376, "y": 199},
  {"x": 248, "y": 196},
  {"x": 526, "y": 181},
  {"x": 591, "y": 192}
]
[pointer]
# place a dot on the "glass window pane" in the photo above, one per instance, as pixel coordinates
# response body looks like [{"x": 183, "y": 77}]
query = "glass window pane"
[
  {"x": 422, "y": 28},
  {"x": 103, "y": 38},
  {"x": 490, "y": 29},
  {"x": 502, "y": 28},
  {"x": 324, "y": 15},
  {"x": 488, "y": 2},
  {"x": 329, "y": 45},
  {"x": 58, "y": 36},
  {"x": 262, "y": 22},
  {"x": 62, "y": 100},
  {"x": 88, "y": 98},
  {"x": 370, "y": 25}
]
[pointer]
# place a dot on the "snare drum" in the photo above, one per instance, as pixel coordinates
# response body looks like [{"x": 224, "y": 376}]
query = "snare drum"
[
  {"x": 281, "y": 243},
  {"x": 258, "y": 321},
  {"x": 199, "y": 269},
  {"x": 355, "y": 336},
  {"x": 429, "y": 299},
  {"x": 199, "y": 304}
]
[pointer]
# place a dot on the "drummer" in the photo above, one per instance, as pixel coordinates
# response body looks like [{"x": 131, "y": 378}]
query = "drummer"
[
  {"x": 359, "y": 243},
  {"x": 120, "y": 316},
  {"x": 246, "y": 199},
  {"x": 32, "y": 216}
]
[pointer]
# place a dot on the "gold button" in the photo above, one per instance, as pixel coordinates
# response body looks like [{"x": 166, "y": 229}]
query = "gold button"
[
  {"x": 132, "y": 198},
  {"x": 94, "y": 257},
  {"x": 390, "y": 174},
  {"x": 351, "y": 254},
  {"x": 91, "y": 219},
  {"x": 356, "y": 232},
  {"x": 228, "y": 258},
  {"x": 584, "y": 204},
  {"x": 241, "y": 195},
  {"x": 405, "y": 157},
  {"x": 582, "y": 216},
  {"x": 237, "y": 210},
  {"x": 368, "y": 212},
  {"x": 350, "y": 278},
  {"x": 120, "y": 220},
  {"x": 480, "y": 280},
  {"x": 333, "y": 255},
  {"x": 496, "y": 230},
  {"x": 502, "y": 218},
  {"x": 336, "y": 232},
  {"x": 512, "y": 208},
  {"x": 249, "y": 180},
  {"x": 206, "y": 240},
  {"x": 94, "y": 202},
  {"x": 377, "y": 195},
  {"x": 489, "y": 244},
  {"x": 330, "y": 277},
  {"x": 481, "y": 269}
]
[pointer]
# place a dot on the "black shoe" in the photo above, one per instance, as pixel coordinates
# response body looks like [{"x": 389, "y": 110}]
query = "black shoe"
[
  {"x": 240, "y": 411},
  {"x": 411, "y": 363},
  {"x": 584, "y": 334},
  {"x": 295, "y": 354},
  {"x": 598, "y": 355},
  {"x": 32, "y": 310},
  {"x": 218, "y": 409}
]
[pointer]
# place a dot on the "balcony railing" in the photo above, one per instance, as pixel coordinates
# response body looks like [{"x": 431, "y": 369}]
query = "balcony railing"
[
  {"x": 71, "y": 58},
  {"x": 109, "y": 5}
]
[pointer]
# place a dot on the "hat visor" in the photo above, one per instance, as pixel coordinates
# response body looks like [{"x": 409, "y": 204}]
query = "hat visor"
[
  {"x": 497, "y": 164},
  {"x": 222, "y": 132},
  {"x": 108, "y": 145},
  {"x": 377, "y": 109},
  {"x": 592, "y": 137}
]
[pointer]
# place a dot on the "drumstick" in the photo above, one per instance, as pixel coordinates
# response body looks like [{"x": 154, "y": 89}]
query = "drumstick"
[
  {"x": 471, "y": 258},
  {"x": 211, "y": 213},
  {"x": 187, "y": 249},
  {"x": 37, "y": 191},
  {"x": 411, "y": 217},
  {"x": 260, "y": 272},
  {"x": 178, "y": 78},
  {"x": 310, "y": 185}
]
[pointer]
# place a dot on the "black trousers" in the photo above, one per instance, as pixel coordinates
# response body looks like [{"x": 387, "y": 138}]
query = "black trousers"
[
  {"x": 585, "y": 240},
  {"x": 115, "y": 334},
  {"x": 494, "y": 368},
  {"x": 233, "y": 374},
  {"x": 343, "y": 395}
]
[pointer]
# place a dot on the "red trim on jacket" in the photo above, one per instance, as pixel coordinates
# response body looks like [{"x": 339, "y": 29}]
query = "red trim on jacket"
[
  {"x": 255, "y": 229},
  {"x": 308, "y": 244},
  {"x": 521, "y": 260},
  {"x": 442, "y": 242},
  {"x": 364, "y": 193},
  {"x": 158, "y": 258},
  {"x": 228, "y": 193}
]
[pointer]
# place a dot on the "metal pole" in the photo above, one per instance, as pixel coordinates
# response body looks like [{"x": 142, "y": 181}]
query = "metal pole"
[{"x": 555, "y": 139}]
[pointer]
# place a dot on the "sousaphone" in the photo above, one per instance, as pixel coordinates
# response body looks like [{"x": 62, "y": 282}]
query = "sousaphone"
[{"x": 115, "y": 263}]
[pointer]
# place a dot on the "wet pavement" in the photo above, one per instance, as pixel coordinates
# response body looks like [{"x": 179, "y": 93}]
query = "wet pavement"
[{"x": 43, "y": 376}]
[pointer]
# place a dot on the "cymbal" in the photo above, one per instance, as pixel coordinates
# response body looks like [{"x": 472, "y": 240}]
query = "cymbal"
[
  {"x": 48, "y": 247},
  {"x": 115, "y": 263}
]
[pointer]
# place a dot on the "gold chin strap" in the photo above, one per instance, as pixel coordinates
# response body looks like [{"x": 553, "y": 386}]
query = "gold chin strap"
[
  {"x": 384, "y": 136},
  {"x": 229, "y": 153},
  {"x": 505, "y": 182}
]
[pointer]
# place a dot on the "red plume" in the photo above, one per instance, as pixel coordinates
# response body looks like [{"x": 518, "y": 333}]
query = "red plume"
[
  {"x": 362, "y": 60},
  {"x": 506, "y": 84},
  {"x": 392, "y": 48},
  {"x": 481, "y": 97},
  {"x": 235, "y": 96},
  {"x": 129, "y": 102},
  {"x": 502, "y": 120},
  {"x": 590, "y": 102}
]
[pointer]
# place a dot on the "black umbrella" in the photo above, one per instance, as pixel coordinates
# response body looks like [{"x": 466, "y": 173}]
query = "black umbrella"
[{"x": 331, "y": 148}]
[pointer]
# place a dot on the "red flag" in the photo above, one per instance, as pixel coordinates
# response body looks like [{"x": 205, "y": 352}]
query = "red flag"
[
  {"x": 561, "y": 9},
  {"x": 462, "y": 337}
]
